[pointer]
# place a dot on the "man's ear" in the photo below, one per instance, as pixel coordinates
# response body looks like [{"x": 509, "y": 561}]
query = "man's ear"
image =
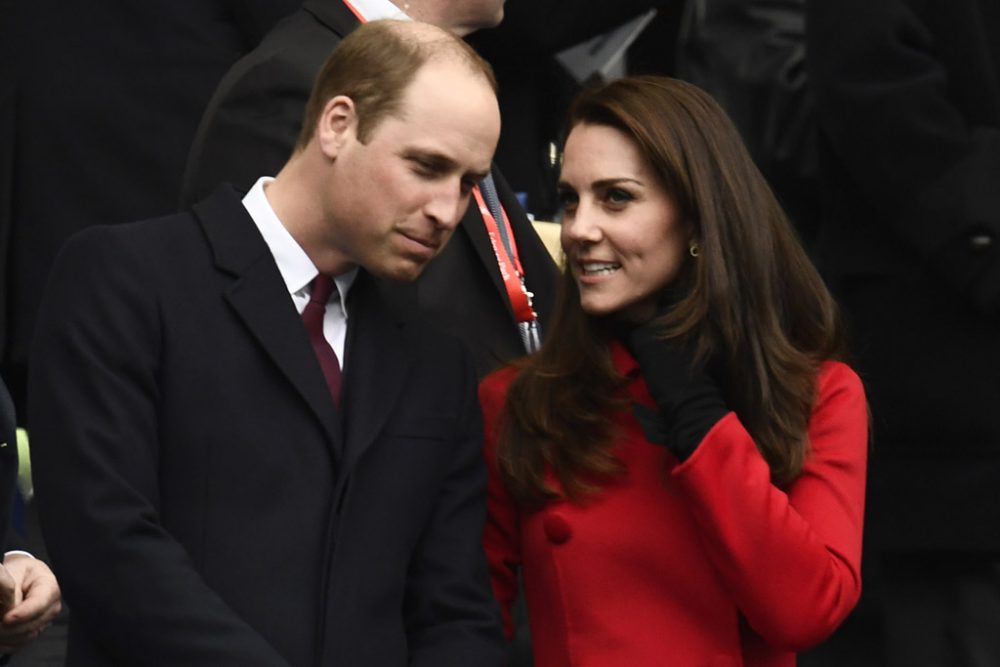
[{"x": 337, "y": 123}]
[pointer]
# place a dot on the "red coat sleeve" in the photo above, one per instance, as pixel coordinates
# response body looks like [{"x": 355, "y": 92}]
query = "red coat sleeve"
[{"x": 791, "y": 559}]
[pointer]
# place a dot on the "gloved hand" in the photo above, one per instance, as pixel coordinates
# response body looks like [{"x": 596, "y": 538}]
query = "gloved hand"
[{"x": 689, "y": 402}]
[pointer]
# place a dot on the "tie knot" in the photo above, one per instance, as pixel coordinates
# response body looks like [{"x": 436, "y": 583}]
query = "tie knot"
[{"x": 320, "y": 289}]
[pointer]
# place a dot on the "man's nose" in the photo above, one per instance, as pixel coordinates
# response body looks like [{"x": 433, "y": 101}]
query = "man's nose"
[{"x": 447, "y": 205}]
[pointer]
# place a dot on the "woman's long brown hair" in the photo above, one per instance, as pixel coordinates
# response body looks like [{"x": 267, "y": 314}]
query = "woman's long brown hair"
[{"x": 753, "y": 305}]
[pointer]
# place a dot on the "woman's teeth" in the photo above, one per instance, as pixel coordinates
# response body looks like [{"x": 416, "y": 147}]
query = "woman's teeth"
[{"x": 599, "y": 268}]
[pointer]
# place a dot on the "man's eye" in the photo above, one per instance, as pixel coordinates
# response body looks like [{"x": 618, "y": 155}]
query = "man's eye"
[{"x": 424, "y": 168}]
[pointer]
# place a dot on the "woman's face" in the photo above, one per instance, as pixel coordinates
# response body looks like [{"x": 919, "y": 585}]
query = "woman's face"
[{"x": 621, "y": 231}]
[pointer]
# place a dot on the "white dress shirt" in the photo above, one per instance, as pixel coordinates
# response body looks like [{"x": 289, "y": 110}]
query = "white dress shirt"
[
  {"x": 373, "y": 10},
  {"x": 297, "y": 270}
]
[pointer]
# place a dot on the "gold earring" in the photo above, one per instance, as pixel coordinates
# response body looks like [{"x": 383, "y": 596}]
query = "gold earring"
[{"x": 694, "y": 249}]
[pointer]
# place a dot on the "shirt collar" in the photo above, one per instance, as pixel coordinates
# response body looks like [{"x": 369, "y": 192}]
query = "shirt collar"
[
  {"x": 373, "y": 10},
  {"x": 296, "y": 269}
]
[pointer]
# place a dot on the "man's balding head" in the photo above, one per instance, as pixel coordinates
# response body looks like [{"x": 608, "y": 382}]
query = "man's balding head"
[{"x": 374, "y": 65}]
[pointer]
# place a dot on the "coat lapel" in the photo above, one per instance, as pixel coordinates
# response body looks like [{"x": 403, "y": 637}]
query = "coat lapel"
[
  {"x": 377, "y": 366},
  {"x": 258, "y": 296}
]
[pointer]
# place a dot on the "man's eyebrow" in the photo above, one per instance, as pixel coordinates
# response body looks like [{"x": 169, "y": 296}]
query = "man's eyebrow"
[
  {"x": 433, "y": 157},
  {"x": 442, "y": 162}
]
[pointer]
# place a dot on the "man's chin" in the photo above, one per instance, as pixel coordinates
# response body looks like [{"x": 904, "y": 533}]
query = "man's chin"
[{"x": 405, "y": 271}]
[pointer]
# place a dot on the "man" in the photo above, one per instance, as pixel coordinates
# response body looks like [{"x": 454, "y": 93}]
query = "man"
[
  {"x": 251, "y": 125},
  {"x": 29, "y": 594},
  {"x": 908, "y": 104},
  {"x": 223, "y": 483}
]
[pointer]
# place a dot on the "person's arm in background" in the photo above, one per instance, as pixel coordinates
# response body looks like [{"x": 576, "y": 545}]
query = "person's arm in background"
[
  {"x": 29, "y": 594},
  {"x": 29, "y": 597},
  {"x": 885, "y": 105},
  {"x": 750, "y": 55}
]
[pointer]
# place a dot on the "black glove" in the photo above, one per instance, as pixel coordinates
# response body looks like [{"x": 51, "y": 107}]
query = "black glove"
[{"x": 689, "y": 402}]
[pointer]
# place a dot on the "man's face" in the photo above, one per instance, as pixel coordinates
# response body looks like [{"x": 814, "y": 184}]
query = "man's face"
[{"x": 394, "y": 202}]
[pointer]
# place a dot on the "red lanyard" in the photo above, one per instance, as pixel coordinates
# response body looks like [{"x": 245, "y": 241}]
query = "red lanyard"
[
  {"x": 355, "y": 11},
  {"x": 510, "y": 266}
]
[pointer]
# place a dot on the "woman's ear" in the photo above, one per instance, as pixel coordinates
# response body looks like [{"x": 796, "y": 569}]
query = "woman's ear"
[
  {"x": 693, "y": 238},
  {"x": 337, "y": 124}
]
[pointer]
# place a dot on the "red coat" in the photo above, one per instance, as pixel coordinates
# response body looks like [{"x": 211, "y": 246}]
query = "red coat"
[{"x": 700, "y": 563}]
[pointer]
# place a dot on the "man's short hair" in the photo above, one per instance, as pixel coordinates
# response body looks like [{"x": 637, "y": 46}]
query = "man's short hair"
[{"x": 375, "y": 64}]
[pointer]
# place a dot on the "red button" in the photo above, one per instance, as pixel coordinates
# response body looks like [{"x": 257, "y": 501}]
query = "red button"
[{"x": 557, "y": 529}]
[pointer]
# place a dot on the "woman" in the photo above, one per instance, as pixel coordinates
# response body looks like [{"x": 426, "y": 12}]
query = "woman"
[{"x": 679, "y": 473}]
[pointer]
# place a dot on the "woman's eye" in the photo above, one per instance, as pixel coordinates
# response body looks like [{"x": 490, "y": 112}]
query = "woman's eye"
[
  {"x": 618, "y": 196},
  {"x": 566, "y": 198}
]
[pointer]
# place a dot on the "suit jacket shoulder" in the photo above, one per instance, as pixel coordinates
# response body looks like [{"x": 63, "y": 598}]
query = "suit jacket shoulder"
[{"x": 254, "y": 117}]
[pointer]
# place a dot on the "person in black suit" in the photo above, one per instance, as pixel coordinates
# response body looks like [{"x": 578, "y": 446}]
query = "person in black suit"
[
  {"x": 139, "y": 75},
  {"x": 212, "y": 490},
  {"x": 254, "y": 117},
  {"x": 908, "y": 103},
  {"x": 29, "y": 594}
]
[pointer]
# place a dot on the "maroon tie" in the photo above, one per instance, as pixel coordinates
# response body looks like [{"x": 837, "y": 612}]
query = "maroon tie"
[{"x": 319, "y": 293}]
